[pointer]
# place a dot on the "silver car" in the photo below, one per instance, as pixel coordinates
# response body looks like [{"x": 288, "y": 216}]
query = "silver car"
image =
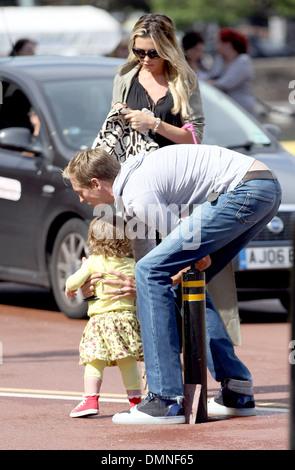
[{"x": 262, "y": 269}]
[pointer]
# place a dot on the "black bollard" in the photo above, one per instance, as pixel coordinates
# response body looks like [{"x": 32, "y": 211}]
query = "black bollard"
[{"x": 194, "y": 337}]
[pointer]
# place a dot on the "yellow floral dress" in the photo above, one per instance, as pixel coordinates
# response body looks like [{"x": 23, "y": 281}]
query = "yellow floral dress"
[{"x": 113, "y": 329}]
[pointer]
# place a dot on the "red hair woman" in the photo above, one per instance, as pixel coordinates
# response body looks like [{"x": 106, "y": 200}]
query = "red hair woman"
[{"x": 233, "y": 71}]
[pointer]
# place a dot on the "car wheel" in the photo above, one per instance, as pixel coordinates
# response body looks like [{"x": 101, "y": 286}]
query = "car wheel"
[{"x": 68, "y": 250}]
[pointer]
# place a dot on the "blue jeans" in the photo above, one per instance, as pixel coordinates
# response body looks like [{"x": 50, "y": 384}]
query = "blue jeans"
[{"x": 220, "y": 228}]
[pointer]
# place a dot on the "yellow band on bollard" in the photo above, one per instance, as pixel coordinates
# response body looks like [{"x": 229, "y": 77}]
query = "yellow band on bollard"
[
  {"x": 193, "y": 283},
  {"x": 193, "y": 297}
]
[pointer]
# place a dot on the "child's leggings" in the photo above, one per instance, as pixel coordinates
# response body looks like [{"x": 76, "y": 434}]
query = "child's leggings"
[{"x": 127, "y": 366}]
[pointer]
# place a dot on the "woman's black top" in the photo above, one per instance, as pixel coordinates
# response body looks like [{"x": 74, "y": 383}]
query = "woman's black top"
[{"x": 139, "y": 98}]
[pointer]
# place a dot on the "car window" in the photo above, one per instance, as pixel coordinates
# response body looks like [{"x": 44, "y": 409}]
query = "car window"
[
  {"x": 226, "y": 124},
  {"x": 79, "y": 108},
  {"x": 15, "y": 109}
]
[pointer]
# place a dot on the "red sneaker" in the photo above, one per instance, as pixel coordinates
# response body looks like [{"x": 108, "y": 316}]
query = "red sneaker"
[{"x": 88, "y": 406}]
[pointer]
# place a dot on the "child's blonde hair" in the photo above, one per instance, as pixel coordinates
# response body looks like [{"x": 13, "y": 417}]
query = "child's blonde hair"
[{"x": 106, "y": 236}]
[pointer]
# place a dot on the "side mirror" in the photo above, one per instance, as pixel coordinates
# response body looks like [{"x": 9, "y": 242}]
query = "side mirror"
[
  {"x": 273, "y": 129},
  {"x": 20, "y": 139}
]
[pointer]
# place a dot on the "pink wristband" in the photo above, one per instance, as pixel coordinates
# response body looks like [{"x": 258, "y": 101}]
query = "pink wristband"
[{"x": 191, "y": 128}]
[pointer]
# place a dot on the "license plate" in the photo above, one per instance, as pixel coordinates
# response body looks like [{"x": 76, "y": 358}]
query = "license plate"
[{"x": 266, "y": 258}]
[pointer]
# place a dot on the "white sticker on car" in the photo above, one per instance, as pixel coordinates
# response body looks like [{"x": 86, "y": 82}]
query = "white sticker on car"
[{"x": 10, "y": 189}]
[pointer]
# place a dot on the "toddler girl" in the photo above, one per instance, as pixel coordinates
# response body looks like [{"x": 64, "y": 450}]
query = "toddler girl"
[{"x": 112, "y": 334}]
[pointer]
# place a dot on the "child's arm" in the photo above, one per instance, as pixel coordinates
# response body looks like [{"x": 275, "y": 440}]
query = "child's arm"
[{"x": 76, "y": 280}]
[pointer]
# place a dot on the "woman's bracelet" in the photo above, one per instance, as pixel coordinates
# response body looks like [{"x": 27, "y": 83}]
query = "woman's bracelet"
[{"x": 154, "y": 131}]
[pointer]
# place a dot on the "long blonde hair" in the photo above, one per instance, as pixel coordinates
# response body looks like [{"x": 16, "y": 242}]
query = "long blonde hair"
[{"x": 180, "y": 77}]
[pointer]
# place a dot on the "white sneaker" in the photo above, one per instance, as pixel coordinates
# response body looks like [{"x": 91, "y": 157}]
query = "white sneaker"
[
  {"x": 152, "y": 410},
  {"x": 214, "y": 408},
  {"x": 235, "y": 398}
]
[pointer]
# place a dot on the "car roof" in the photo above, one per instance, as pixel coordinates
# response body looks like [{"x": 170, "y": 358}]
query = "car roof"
[{"x": 46, "y": 67}]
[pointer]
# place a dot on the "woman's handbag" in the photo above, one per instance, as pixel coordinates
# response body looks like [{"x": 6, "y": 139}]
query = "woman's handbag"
[{"x": 119, "y": 139}]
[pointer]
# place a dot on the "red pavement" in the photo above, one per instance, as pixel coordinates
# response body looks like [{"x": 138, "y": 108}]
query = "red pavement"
[{"x": 40, "y": 357}]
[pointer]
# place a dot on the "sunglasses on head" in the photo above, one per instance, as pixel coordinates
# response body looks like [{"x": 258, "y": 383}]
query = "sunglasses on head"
[{"x": 140, "y": 53}]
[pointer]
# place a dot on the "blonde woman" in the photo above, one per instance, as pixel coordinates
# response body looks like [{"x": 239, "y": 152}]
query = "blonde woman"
[
  {"x": 112, "y": 335},
  {"x": 157, "y": 77}
]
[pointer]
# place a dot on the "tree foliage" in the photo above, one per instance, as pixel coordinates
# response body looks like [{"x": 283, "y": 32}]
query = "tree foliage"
[
  {"x": 187, "y": 12},
  {"x": 225, "y": 12}
]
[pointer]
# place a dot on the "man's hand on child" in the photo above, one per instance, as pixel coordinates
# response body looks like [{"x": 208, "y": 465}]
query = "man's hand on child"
[{"x": 125, "y": 286}]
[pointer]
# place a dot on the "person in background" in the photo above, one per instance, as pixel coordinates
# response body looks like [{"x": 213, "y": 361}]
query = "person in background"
[
  {"x": 158, "y": 78},
  {"x": 36, "y": 124},
  {"x": 193, "y": 46},
  {"x": 23, "y": 47},
  {"x": 112, "y": 335},
  {"x": 233, "y": 70}
]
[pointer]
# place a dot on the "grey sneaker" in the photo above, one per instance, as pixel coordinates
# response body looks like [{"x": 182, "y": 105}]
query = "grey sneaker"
[
  {"x": 152, "y": 410},
  {"x": 235, "y": 398}
]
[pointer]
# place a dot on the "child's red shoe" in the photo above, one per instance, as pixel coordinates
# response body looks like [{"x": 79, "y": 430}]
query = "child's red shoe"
[{"x": 88, "y": 406}]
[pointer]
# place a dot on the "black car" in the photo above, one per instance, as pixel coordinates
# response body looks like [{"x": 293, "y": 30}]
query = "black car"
[
  {"x": 53, "y": 107},
  {"x": 42, "y": 224}
]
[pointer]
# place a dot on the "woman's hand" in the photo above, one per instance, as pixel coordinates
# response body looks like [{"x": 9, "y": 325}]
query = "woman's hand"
[
  {"x": 119, "y": 105},
  {"x": 140, "y": 121},
  {"x": 122, "y": 107}
]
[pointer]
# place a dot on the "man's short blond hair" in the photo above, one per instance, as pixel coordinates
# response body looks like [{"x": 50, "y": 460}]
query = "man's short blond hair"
[{"x": 92, "y": 163}]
